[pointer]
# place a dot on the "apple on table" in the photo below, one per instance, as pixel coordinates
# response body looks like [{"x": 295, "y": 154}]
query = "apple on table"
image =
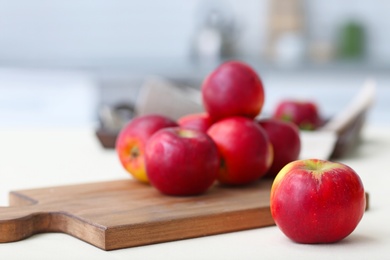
[{"x": 316, "y": 201}]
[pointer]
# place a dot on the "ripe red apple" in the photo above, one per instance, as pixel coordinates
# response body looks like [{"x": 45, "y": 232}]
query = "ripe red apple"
[
  {"x": 316, "y": 201},
  {"x": 181, "y": 162},
  {"x": 198, "y": 121},
  {"x": 285, "y": 140},
  {"x": 305, "y": 114},
  {"x": 130, "y": 144},
  {"x": 245, "y": 150},
  {"x": 233, "y": 89}
]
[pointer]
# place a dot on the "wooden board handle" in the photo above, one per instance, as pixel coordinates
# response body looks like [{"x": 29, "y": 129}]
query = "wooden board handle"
[
  {"x": 17, "y": 223},
  {"x": 20, "y": 222}
]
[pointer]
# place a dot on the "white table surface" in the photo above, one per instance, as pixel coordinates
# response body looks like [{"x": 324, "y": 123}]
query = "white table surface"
[{"x": 33, "y": 158}]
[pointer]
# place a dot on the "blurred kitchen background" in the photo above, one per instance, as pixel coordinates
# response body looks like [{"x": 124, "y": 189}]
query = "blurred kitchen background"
[{"x": 63, "y": 62}]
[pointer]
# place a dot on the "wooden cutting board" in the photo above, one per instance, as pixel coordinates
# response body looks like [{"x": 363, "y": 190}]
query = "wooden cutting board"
[{"x": 125, "y": 213}]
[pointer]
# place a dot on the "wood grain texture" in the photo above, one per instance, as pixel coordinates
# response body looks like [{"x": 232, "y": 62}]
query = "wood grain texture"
[{"x": 126, "y": 213}]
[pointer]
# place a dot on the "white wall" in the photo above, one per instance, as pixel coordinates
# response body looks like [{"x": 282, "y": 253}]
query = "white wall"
[
  {"x": 91, "y": 31},
  {"x": 88, "y": 32},
  {"x": 326, "y": 16}
]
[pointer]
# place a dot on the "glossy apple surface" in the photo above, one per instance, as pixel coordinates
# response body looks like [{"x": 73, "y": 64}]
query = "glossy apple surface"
[
  {"x": 305, "y": 114},
  {"x": 245, "y": 150},
  {"x": 130, "y": 144},
  {"x": 315, "y": 201},
  {"x": 285, "y": 140},
  {"x": 233, "y": 89},
  {"x": 181, "y": 162},
  {"x": 198, "y": 121}
]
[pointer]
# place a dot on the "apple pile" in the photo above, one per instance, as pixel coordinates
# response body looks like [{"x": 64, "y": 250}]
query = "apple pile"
[
  {"x": 312, "y": 201},
  {"x": 226, "y": 143}
]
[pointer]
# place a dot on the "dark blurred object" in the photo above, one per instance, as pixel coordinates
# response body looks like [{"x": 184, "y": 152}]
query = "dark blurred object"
[
  {"x": 111, "y": 120},
  {"x": 215, "y": 37},
  {"x": 348, "y": 123},
  {"x": 156, "y": 96},
  {"x": 352, "y": 41},
  {"x": 349, "y": 137},
  {"x": 286, "y": 32}
]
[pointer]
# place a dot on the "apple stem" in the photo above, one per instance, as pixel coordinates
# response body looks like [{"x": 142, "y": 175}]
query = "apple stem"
[
  {"x": 222, "y": 164},
  {"x": 134, "y": 152}
]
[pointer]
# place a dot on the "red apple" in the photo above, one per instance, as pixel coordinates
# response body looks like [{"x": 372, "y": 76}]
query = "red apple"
[
  {"x": 130, "y": 144},
  {"x": 316, "y": 201},
  {"x": 305, "y": 114},
  {"x": 245, "y": 150},
  {"x": 198, "y": 121},
  {"x": 233, "y": 89},
  {"x": 181, "y": 162},
  {"x": 285, "y": 140}
]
